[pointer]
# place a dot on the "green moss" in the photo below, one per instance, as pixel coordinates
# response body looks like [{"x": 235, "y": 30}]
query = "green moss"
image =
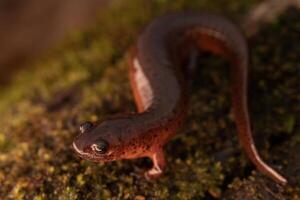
[
  {"x": 86, "y": 79},
  {"x": 5, "y": 143}
]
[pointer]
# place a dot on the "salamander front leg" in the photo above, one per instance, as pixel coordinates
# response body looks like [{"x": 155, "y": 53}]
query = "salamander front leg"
[{"x": 159, "y": 163}]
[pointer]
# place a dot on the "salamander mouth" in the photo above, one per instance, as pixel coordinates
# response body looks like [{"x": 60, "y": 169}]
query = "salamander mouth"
[{"x": 91, "y": 156}]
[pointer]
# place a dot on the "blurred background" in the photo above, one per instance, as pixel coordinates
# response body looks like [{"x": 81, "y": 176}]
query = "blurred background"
[{"x": 28, "y": 28}]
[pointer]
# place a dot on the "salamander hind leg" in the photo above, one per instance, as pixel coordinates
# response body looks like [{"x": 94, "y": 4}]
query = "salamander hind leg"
[{"x": 159, "y": 163}]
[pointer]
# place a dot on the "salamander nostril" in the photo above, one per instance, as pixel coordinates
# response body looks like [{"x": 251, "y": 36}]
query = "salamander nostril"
[{"x": 85, "y": 126}]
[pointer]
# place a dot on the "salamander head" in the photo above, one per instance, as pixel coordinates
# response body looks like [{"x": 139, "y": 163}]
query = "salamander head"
[{"x": 102, "y": 142}]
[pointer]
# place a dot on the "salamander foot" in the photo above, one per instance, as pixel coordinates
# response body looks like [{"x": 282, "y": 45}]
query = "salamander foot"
[{"x": 158, "y": 159}]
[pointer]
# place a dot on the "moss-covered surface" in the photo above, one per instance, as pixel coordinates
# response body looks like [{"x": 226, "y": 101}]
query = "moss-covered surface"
[{"x": 86, "y": 79}]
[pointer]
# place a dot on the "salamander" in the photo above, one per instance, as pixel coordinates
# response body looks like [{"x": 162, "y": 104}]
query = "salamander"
[{"x": 160, "y": 89}]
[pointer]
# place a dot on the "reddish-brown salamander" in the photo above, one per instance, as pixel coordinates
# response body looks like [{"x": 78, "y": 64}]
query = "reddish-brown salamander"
[{"x": 160, "y": 91}]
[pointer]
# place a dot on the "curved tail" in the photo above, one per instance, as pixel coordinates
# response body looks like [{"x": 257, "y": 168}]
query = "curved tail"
[
  {"x": 240, "y": 109},
  {"x": 233, "y": 46}
]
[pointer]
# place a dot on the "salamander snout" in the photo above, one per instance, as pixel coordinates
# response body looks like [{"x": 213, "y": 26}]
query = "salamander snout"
[
  {"x": 86, "y": 142},
  {"x": 96, "y": 142},
  {"x": 99, "y": 147}
]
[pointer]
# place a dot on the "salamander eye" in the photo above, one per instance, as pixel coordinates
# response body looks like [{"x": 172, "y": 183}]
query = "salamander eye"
[
  {"x": 85, "y": 126},
  {"x": 101, "y": 146}
]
